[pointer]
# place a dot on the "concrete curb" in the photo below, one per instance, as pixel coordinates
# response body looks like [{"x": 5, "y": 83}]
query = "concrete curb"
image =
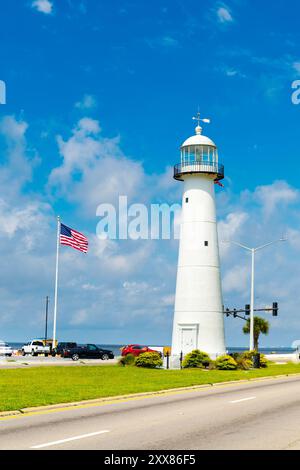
[
  {"x": 96, "y": 401},
  {"x": 4, "y": 414}
]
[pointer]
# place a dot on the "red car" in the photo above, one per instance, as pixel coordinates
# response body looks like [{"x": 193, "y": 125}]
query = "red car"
[{"x": 136, "y": 350}]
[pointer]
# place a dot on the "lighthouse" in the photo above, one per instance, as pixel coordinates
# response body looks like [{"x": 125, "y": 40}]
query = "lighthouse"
[{"x": 198, "y": 316}]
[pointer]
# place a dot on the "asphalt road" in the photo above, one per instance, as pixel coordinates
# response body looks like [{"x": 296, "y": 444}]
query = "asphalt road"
[{"x": 257, "y": 415}]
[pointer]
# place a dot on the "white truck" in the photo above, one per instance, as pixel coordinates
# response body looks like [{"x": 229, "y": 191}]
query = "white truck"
[{"x": 35, "y": 347}]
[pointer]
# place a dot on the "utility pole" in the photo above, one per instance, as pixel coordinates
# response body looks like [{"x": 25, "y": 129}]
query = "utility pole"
[{"x": 46, "y": 326}]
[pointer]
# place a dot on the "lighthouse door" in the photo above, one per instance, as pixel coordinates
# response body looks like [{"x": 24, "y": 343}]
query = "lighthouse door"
[{"x": 188, "y": 339}]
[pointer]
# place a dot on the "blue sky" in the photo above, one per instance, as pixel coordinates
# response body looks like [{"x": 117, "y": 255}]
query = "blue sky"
[{"x": 100, "y": 96}]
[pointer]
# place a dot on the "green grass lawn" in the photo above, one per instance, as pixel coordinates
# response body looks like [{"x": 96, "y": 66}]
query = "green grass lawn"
[{"x": 21, "y": 388}]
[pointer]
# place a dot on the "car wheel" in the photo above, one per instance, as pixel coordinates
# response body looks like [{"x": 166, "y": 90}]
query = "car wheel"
[
  {"x": 23, "y": 353},
  {"x": 46, "y": 355},
  {"x": 75, "y": 357},
  {"x": 33, "y": 353},
  {"x": 105, "y": 357}
]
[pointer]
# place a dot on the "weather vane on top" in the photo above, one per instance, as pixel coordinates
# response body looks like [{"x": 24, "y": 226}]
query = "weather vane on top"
[{"x": 199, "y": 119}]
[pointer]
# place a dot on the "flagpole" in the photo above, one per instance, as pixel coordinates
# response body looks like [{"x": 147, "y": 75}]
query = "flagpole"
[{"x": 56, "y": 282}]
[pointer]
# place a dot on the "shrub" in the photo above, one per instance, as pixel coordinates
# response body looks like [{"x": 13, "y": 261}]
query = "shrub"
[
  {"x": 149, "y": 360},
  {"x": 244, "y": 364},
  {"x": 250, "y": 354},
  {"x": 196, "y": 360},
  {"x": 236, "y": 356},
  {"x": 128, "y": 360},
  {"x": 226, "y": 363},
  {"x": 263, "y": 361}
]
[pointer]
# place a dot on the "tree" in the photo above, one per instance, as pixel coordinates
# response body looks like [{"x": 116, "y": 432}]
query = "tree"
[{"x": 260, "y": 326}]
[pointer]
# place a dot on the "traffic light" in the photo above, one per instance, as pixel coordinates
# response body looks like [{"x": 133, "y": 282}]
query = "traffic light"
[
  {"x": 227, "y": 312},
  {"x": 247, "y": 309},
  {"x": 275, "y": 309},
  {"x": 234, "y": 313}
]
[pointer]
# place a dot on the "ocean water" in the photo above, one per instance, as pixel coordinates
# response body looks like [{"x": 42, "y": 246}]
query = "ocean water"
[{"x": 115, "y": 348}]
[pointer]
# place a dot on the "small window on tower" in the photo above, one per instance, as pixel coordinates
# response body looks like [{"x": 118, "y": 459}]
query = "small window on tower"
[
  {"x": 186, "y": 200},
  {"x": 205, "y": 243}
]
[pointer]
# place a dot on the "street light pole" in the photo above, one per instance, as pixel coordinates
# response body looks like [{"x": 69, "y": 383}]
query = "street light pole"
[
  {"x": 253, "y": 251},
  {"x": 252, "y": 300}
]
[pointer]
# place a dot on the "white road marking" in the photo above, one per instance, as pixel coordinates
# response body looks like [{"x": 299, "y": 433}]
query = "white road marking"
[
  {"x": 62, "y": 441},
  {"x": 243, "y": 399}
]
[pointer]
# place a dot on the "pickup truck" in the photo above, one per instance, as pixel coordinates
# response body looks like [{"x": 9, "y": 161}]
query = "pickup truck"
[{"x": 35, "y": 347}]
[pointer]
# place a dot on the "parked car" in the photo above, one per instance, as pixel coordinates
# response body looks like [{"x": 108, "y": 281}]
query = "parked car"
[
  {"x": 88, "y": 351},
  {"x": 136, "y": 350},
  {"x": 35, "y": 347},
  {"x": 5, "y": 349},
  {"x": 61, "y": 347}
]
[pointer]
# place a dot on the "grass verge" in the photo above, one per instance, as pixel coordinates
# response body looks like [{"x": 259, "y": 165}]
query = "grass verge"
[{"x": 21, "y": 388}]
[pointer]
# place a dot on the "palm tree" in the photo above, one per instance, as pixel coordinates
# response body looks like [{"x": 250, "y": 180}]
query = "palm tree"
[{"x": 260, "y": 326}]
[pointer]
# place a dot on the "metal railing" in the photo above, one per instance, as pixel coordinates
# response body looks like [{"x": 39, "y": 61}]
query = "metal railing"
[{"x": 199, "y": 166}]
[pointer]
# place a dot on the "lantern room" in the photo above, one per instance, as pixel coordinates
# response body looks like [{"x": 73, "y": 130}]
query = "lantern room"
[{"x": 199, "y": 154}]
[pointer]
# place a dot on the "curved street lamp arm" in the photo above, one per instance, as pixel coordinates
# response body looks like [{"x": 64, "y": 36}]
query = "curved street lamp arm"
[
  {"x": 240, "y": 245},
  {"x": 268, "y": 244}
]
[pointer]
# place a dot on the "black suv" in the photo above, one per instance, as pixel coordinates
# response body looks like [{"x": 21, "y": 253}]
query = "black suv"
[
  {"x": 88, "y": 351},
  {"x": 61, "y": 347}
]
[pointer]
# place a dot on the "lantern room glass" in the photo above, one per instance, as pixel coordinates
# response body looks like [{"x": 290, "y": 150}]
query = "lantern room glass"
[{"x": 205, "y": 154}]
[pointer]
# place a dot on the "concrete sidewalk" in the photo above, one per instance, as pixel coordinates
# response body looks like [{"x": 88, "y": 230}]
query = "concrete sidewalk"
[
  {"x": 284, "y": 358},
  {"x": 19, "y": 362}
]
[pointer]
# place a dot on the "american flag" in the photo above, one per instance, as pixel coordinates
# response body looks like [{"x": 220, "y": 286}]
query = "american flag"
[{"x": 72, "y": 238}]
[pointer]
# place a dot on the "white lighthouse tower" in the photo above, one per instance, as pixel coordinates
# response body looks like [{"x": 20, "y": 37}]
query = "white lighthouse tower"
[{"x": 198, "y": 318}]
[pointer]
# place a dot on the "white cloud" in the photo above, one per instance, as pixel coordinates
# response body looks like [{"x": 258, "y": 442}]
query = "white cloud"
[
  {"x": 230, "y": 229},
  {"x": 275, "y": 196},
  {"x": 18, "y": 161},
  {"x": 169, "y": 41},
  {"x": 231, "y": 73},
  {"x": 94, "y": 169},
  {"x": 43, "y": 6},
  {"x": 163, "y": 42},
  {"x": 22, "y": 219},
  {"x": 236, "y": 279},
  {"x": 87, "y": 102},
  {"x": 12, "y": 128},
  {"x": 224, "y": 14},
  {"x": 296, "y": 66}
]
